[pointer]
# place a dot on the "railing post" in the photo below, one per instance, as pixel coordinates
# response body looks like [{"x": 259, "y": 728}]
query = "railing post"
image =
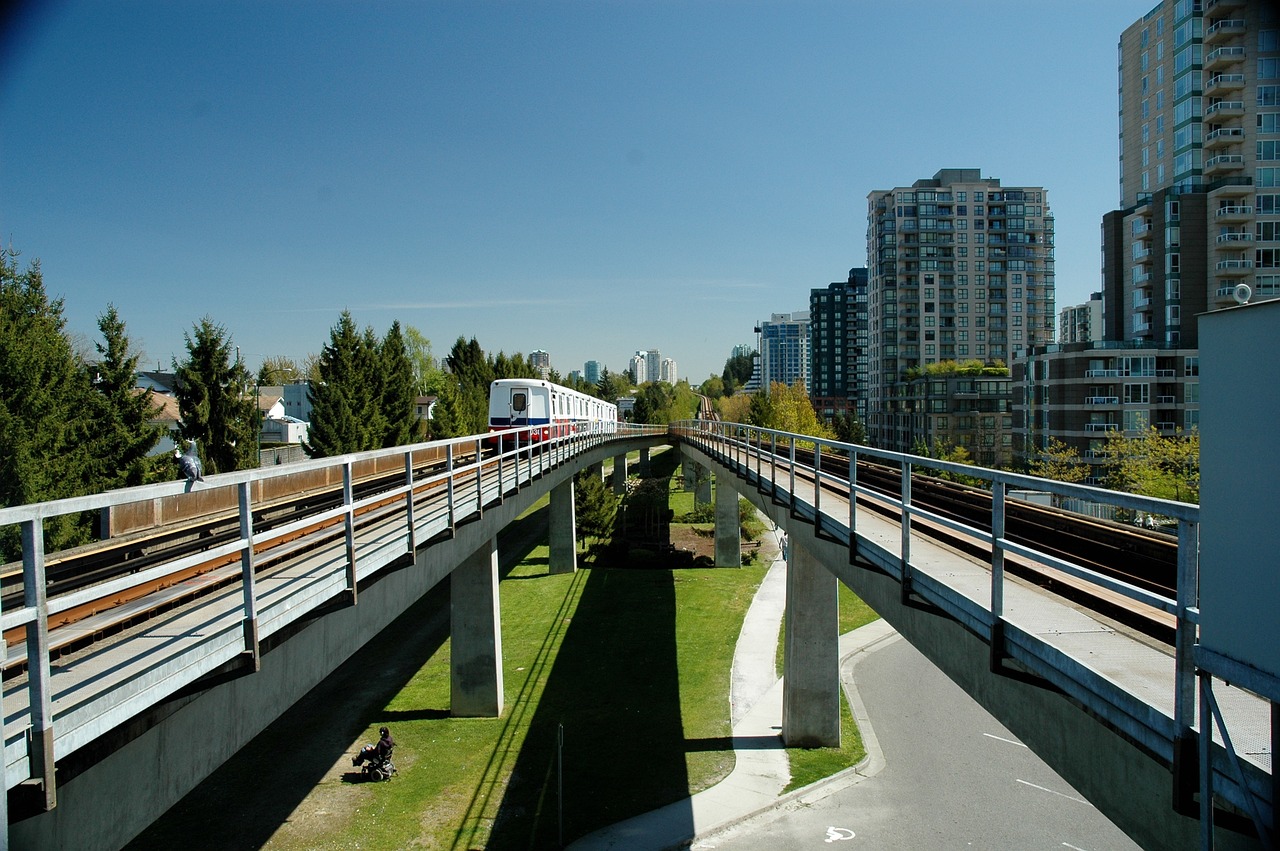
[
  {"x": 997, "y": 573},
  {"x": 40, "y": 691},
  {"x": 247, "y": 577},
  {"x": 502, "y": 485},
  {"x": 791, "y": 470},
  {"x": 1184, "y": 695},
  {"x": 349, "y": 501},
  {"x": 906, "y": 529},
  {"x": 448, "y": 468},
  {"x": 773, "y": 464},
  {"x": 817, "y": 487},
  {"x": 479, "y": 480},
  {"x": 412, "y": 536},
  {"x": 853, "y": 505}
]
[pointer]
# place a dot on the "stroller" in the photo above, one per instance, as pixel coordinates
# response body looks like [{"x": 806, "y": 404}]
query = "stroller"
[{"x": 377, "y": 767}]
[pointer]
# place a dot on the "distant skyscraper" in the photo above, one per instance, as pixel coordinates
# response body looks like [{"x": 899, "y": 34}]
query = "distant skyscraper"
[
  {"x": 639, "y": 368},
  {"x": 592, "y": 370},
  {"x": 1081, "y": 323},
  {"x": 837, "y": 347},
  {"x": 669, "y": 371},
  {"x": 784, "y": 350},
  {"x": 653, "y": 365},
  {"x": 960, "y": 268},
  {"x": 540, "y": 361}
]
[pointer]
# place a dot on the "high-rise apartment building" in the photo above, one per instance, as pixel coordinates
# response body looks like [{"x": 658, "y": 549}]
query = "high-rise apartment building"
[
  {"x": 669, "y": 371},
  {"x": 1199, "y": 224},
  {"x": 540, "y": 361},
  {"x": 591, "y": 369},
  {"x": 639, "y": 368},
  {"x": 1081, "y": 323},
  {"x": 784, "y": 350},
  {"x": 838, "y": 347},
  {"x": 653, "y": 365},
  {"x": 959, "y": 268}
]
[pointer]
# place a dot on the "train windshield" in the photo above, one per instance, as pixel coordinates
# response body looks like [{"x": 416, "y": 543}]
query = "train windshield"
[{"x": 519, "y": 401}]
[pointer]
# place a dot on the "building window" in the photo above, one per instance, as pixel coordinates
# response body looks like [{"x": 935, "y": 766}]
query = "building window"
[{"x": 1191, "y": 366}]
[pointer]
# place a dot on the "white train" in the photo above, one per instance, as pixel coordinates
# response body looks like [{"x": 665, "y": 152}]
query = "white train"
[{"x": 522, "y": 402}]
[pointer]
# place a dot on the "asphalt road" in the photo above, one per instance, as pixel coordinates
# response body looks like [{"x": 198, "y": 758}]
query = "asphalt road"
[{"x": 951, "y": 777}]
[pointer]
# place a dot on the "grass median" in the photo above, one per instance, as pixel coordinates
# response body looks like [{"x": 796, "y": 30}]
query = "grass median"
[{"x": 616, "y": 684}]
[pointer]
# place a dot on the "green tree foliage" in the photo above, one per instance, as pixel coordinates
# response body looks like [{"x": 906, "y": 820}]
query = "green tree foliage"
[
  {"x": 123, "y": 429},
  {"x": 737, "y": 372},
  {"x": 343, "y": 406},
  {"x": 712, "y": 388},
  {"x": 472, "y": 374},
  {"x": 659, "y": 403},
  {"x": 788, "y": 409},
  {"x": 1059, "y": 462},
  {"x": 428, "y": 377},
  {"x": 396, "y": 376},
  {"x": 277, "y": 370},
  {"x": 735, "y": 408},
  {"x": 948, "y": 452},
  {"x": 849, "y": 429},
  {"x": 612, "y": 386},
  {"x": 43, "y": 453},
  {"x": 1154, "y": 465},
  {"x": 445, "y": 417},
  {"x": 595, "y": 507},
  {"x": 215, "y": 401}
]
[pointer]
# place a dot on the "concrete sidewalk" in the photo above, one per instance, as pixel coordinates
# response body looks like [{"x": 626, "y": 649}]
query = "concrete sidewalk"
[{"x": 761, "y": 769}]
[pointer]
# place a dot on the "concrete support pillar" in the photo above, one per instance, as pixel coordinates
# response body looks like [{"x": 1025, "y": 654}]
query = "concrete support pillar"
[
  {"x": 563, "y": 555},
  {"x": 689, "y": 473},
  {"x": 597, "y": 470},
  {"x": 476, "y": 636},
  {"x": 811, "y": 654},
  {"x": 728, "y": 530},
  {"x": 620, "y": 474},
  {"x": 644, "y": 462},
  {"x": 702, "y": 495}
]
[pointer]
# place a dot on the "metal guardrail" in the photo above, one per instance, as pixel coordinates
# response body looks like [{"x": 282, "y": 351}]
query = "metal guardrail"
[
  {"x": 773, "y": 452},
  {"x": 457, "y": 491}
]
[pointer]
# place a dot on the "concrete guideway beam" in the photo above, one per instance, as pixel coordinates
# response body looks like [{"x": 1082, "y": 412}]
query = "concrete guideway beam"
[
  {"x": 811, "y": 654},
  {"x": 620, "y": 474},
  {"x": 562, "y": 556},
  {"x": 476, "y": 636},
  {"x": 728, "y": 530}
]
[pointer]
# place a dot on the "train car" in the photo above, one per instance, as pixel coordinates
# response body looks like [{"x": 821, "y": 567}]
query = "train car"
[{"x": 520, "y": 402}]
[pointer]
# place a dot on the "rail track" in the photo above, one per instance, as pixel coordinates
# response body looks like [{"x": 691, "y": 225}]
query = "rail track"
[{"x": 1142, "y": 558}]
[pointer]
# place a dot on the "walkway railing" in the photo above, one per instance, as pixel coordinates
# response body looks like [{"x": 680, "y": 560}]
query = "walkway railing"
[
  {"x": 391, "y": 502},
  {"x": 775, "y": 460}
]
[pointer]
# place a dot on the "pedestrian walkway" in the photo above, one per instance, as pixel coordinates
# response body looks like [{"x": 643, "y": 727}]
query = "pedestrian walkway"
[{"x": 761, "y": 769}]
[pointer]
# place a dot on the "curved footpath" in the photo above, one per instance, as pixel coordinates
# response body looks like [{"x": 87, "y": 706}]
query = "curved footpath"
[{"x": 760, "y": 770}]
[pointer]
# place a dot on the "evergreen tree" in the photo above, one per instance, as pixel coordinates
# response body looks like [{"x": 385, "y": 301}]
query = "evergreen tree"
[
  {"x": 445, "y": 416},
  {"x": 123, "y": 431},
  {"x": 340, "y": 399},
  {"x": 398, "y": 390},
  {"x": 43, "y": 454},
  {"x": 215, "y": 401},
  {"x": 473, "y": 373},
  {"x": 370, "y": 392},
  {"x": 594, "y": 506},
  {"x": 849, "y": 429},
  {"x": 737, "y": 372}
]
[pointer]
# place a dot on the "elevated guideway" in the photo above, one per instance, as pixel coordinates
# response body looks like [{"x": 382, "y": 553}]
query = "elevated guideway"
[
  {"x": 146, "y": 714},
  {"x": 1115, "y": 712}
]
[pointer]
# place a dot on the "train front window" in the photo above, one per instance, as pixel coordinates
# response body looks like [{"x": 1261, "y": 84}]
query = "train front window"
[{"x": 519, "y": 401}]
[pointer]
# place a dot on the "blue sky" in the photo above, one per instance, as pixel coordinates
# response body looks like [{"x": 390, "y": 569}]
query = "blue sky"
[{"x": 588, "y": 178}]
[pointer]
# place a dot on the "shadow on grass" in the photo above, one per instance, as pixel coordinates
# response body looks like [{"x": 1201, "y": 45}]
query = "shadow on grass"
[
  {"x": 246, "y": 800},
  {"x": 617, "y": 725}
]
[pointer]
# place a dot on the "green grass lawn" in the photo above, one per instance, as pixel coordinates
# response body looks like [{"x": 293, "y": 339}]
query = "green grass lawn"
[{"x": 628, "y": 669}]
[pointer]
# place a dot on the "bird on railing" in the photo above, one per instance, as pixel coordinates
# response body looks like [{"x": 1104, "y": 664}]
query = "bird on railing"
[{"x": 189, "y": 464}]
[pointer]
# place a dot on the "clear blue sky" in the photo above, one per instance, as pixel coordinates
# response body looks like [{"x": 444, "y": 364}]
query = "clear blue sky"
[{"x": 588, "y": 178}]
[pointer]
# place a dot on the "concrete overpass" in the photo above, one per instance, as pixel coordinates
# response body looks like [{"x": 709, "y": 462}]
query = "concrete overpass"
[{"x": 126, "y": 716}]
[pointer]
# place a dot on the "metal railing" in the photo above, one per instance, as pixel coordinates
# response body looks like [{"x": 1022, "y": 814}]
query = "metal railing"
[{"x": 772, "y": 459}]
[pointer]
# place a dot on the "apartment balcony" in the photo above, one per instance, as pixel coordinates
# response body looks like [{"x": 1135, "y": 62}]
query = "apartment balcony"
[
  {"x": 1223, "y": 137},
  {"x": 1230, "y": 187},
  {"x": 1141, "y": 226},
  {"x": 1223, "y": 57},
  {"x": 1225, "y": 296},
  {"x": 1166, "y": 400},
  {"x": 1142, "y": 255},
  {"x": 1102, "y": 373},
  {"x": 1166, "y": 428},
  {"x": 1141, "y": 301},
  {"x": 1226, "y": 30},
  {"x": 1224, "y": 109},
  {"x": 1222, "y": 5},
  {"x": 1224, "y": 164},
  {"x": 1101, "y": 426},
  {"x": 1233, "y": 213},
  {"x": 1219, "y": 84},
  {"x": 1102, "y": 400},
  {"x": 1233, "y": 240},
  {"x": 1140, "y": 277},
  {"x": 1234, "y": 268}
]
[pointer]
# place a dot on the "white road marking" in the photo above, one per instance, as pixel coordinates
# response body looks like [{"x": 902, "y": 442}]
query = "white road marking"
[
  {"x": 999, "y": 739},
  {"x": 1050, "y": 791},
  {"x": 838, "y": 834}
]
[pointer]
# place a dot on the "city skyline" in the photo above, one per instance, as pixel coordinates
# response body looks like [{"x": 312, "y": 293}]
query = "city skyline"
[{"x": 475, "y": 170}]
